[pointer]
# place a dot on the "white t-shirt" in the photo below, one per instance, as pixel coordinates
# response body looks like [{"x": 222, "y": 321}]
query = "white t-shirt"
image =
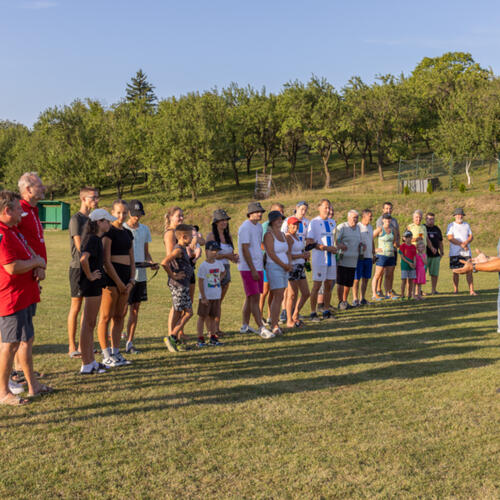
[
  {"x": 367, "y": 239},
  {"x": 250, "y": 234},
  {"x": 460, "y": 232},
  {"x": 301, "y": 232},
  {"x": 351, "y": 238},
  {"x": 142, "y": 235},
  {"x": 321, "y": 232},
  {"x": 211, "y": 275}
]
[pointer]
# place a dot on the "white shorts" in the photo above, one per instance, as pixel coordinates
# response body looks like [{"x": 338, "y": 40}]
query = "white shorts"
[{"x": 323, "y": 273}]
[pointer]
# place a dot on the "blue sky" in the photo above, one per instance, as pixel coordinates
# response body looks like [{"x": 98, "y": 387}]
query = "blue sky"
[{"x": 53, "y": 51}]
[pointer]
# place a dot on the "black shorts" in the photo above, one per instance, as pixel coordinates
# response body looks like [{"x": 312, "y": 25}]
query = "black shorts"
[
  {"x": 92, "y": 288},
  {"x": 123, "y": 272},
  {"x": 455, "y": 261},
  {"x": 297, "y": 273},
  {"x": 139, "y": 293},
  {"x": 17, "y": 327},
  {"x": 227, "y": 277},
  {"x": 345, "y": 275},
  {"x": 74, "y": 282}
]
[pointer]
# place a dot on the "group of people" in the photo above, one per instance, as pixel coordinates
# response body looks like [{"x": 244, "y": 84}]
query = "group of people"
[{"x": 110, "y": 254}]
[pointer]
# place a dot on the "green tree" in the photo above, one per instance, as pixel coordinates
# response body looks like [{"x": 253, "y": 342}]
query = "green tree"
[
  {"x": 139, "y": 90},
  {"x": 10, "y": 134}
]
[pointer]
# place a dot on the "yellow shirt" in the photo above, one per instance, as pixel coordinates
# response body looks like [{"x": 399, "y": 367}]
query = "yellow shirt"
[{"x": 418, "y": 231}]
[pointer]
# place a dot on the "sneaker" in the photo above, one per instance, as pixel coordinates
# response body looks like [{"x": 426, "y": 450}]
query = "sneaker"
[
  {"x": 181, "y": 347},
  {"x": 355, "y": 303},
  {"x": 110, "y": 362},
  {"x": 314, "y": 317},
  {"x": 265, "y": 333},
  {"x": 376, "y": 298},
  {"x": 277, "y": 331},
  {"x": 201, "y": 344},
  {"x": 342, "y": 306},
  {"x": 122, "y": 360},
  {"x": 327, "y": 314},
  {"x": 99, "y": 368},
  {"x": 320, "y": 308},
  {"x": 214, "y": 341},
  {"x": 380, "y": 294},
  {"x": 248, "y": 329},
  {"x": 132, "y": 350},
  {"x": 171, "y": 343},
  {"x": 15, "y": 388},
  {"x": 364, "y": 302},
  {"x": 283, "y": 316},
  {"x": 268, "y": 322}
]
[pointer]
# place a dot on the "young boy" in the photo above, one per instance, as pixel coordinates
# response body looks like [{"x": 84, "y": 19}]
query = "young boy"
[
  {"x": 408, "y": 254},
  {"x": 139, "y": 292},
  {"x": 180, "y": 270},
  {"x": 210, "y": 275}
]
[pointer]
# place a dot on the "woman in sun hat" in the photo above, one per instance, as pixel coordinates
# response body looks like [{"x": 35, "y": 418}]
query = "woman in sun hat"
[{"x": 221, "y": 234}]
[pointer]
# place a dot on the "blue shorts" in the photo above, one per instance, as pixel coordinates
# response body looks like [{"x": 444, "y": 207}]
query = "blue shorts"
[
  {"x": 363, "y": 269},
  {"x": 384, "y": 261}
]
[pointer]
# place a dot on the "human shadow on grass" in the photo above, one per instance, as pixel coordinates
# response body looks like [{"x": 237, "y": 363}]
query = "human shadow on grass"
[{"x": 243, "y": 392}]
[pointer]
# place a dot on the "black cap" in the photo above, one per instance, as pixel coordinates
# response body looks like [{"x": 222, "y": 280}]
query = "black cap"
[
  {"x": 136, "y": 208},
  {"x": 407, "y": 234},
  {"x": 459, "y": 211},
  {"x": 212, "y": 245},
  {"x": 275, "y": 214},
  {"x": 220, "y": 214},
  {"x": 387, "y": 216},
  {"x": 253, "y": 207}
]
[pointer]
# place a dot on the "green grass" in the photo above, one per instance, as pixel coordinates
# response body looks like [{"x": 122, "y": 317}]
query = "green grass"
[{"x": 393, "y": 400}]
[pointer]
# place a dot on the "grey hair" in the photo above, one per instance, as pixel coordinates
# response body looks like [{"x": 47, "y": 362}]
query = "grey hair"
[
  {"x": 352, "y": 212},
  {"x": 26, "y": 180},
  {"x": 418, "y": 212}
]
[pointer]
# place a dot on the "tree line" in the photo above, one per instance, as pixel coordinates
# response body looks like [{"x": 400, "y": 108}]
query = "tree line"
[{"x": 182, "y": 145}]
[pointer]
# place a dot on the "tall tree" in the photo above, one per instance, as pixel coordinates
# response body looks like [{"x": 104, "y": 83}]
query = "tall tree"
[
  {"x": 141, "y": 91},
  {"x": 10, "y": 134}
]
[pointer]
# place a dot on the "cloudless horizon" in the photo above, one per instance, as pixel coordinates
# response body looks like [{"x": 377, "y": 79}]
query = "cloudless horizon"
[{"x": 55, "y": 51}]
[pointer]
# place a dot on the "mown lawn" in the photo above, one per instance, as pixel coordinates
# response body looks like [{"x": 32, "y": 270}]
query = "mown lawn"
[{"x": 393, "y": 400}]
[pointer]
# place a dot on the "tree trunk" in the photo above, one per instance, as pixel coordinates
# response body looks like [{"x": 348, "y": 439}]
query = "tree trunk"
[
  {"x": 194, "y": 194},
  {"x": 327, "y": 172},
  {"x": 380, "y": 164},
  {"x": 370, "y": 155},
  {"x": 249, "y": 161},
  {"x": 235, "y": 172},
  {"x": 363, "y": 166},
  {"x": 467, "y": 171}
]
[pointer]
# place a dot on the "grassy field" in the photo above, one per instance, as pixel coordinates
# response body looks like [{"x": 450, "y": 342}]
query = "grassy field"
[{"x": 392, "y": 400}]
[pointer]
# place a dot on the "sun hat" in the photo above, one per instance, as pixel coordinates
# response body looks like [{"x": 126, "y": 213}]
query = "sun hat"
[
  {"x": 275, "y": 214},
  {"x": 220, "y": 214},
  {"x": 136, "y": 208},
  {"x": 212, "y": 245},
  {"x": 254, "y": 206},
  {"x": 459, "y": 211},
  {"x": 293, "y": 220},
  {"x": 99, "y": 214}
]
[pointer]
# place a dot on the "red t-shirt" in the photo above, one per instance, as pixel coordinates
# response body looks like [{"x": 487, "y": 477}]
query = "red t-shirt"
[
  {"x": 17, "y": 291},
  {"x": 31, "y": 228},
  {"x": 409, "y": 251}
]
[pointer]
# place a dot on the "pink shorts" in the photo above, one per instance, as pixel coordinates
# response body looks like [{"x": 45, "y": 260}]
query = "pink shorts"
[{"x": 251, "y": 286}]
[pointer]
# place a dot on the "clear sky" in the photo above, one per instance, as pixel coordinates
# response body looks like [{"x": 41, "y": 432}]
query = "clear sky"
[{"x": 53, "y": 51}]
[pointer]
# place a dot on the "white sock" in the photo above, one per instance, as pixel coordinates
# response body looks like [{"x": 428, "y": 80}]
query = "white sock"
[
  {"x": 129, "y": 345},
  {"x": 114, "y": 350},
  {"x": 87, "y": 368},
  {"x": 106, "y": 353}
]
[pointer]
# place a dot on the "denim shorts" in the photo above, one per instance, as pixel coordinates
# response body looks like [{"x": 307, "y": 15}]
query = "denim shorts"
[
  {"x": 385, "y": 261},
  {"x": 276, "y": 276},
  {"x": 364, "y": 269},
  {"x": 408, "y": 275}
]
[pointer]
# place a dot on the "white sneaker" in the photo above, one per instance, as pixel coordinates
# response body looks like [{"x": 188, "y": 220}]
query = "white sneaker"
[
  {"x": 248, "y": 329},
  {"x": 266, "y": 334},
  {"x": 15, "y": 388},
  {"x": 121, "y": 360},
  {"x": 110, "y": 362}
]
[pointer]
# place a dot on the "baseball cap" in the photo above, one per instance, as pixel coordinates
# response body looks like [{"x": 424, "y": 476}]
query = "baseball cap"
[
  {"x": 101, "y": 213},
  {"x": 275, "y": 214},
  {"x": 220, "y": 214},
  {"x": 387, "y": 216},
  {"x": 459, "y": 211},
  {"x": 293, "y": 220},
  {"x": 212, "y": 245},
  {"x": 407, "y": 234},
  {"x": 300, "y": 203},
  {"x": 253, "y": 207},
  {"x": 136, "y": 208}
]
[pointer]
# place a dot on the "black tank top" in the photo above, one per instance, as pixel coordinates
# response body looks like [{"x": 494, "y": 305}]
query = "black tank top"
[
  {"x": 183, "y": 263},
  {"x": 121, "y": 240}
]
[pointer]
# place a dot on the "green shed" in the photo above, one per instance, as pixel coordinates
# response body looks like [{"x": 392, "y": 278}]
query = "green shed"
[{"x": 54, "y": 214}]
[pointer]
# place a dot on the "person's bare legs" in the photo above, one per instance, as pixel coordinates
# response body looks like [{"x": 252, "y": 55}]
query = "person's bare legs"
[
  {"x": 455, "y": 282},
  {"x": 291, "y": 300},
  {"x": 25, "y": 353},
  {"x": 389, "y": 279},
  {"x": 314, "y": 295},
  {"x": 184, "y": 317},
  {"x": 89, "y": 319},
  {"x": 120, "y": 310},
  {"x": 255, "y": 310},
  {"x": 434, "y": 281},
  {"x": 133, "y": 316},
  {"x": 105, "y": 314},
  {"x": 7, "y": 352},
  {"x": 403, "y": 287},
  {"x": 340, "y": 293},
  {"x": 345, "y": 293},
  {"x": 263, "y": 296},
  {"x": 355, "y": 291},
  {"x": 304, "y": 296},
  {"x": 276, "y": 299},
  {"x": 364, "y": 286},
  {"x": 217, "y": 319},
  {"x": 74, "y": 309},
  {"x": 327, "y": 294},
  {"x": 379, "y": 271},
  {"x": 470, "y": 282}
]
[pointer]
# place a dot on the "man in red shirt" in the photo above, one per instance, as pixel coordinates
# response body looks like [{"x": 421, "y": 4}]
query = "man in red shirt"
[{"x": 19, "y": 291}]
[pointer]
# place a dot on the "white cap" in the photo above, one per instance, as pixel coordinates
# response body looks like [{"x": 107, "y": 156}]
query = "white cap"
[{"x": 99, "y": 214}]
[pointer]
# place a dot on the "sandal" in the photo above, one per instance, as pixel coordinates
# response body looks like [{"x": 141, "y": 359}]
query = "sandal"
[
  {"x": 11, "y": 400},
  {"x": 44, "y": 389},
  {"x": 75, "y": 354}
]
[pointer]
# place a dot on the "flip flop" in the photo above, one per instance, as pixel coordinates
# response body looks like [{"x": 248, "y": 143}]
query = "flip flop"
[
  {"x": 11, "y": 400},
  {"x": 75, "y": 354},
  {"x": 44, "y": 389}
]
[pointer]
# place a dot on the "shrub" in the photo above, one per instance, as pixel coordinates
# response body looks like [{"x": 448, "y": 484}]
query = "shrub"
[
  {"x": 406, "y": 190},
  {"x": 491, "y": 187},
  {"x": 430, "y": 189},
  {"x": 462, "y": 188}
]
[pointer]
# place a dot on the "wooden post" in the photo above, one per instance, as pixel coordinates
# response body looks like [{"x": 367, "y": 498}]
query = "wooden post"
[{"x": 311, "y": 182}]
